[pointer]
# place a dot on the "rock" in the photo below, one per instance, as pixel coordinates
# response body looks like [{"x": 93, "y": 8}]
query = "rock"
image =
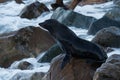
[
  {"x": 109, "y": 70},
  {"x": 37, "y": 76},
  {"x": 111, "y": 18},
  {"x": 22, "y": 65},
  {"x": 114, "y": 13},
  {"x": 104, "y": 22},
  {"x": 28, "y": 76},
  {"x": 58, "y": 3},
  {"x": 73, "y": 4},
  {"x": 33, "y": 10},
  {"x": 116, "y": 2},
  {"x": 108, "y": 37},
  {"x": 86, "y": 2},
  {"x": 8, "y": 51},
  {"x": 26, "y": 42},
  {"x": 19, "y": 1},
  {"x": 33, "y": 39},
  {"x": 76, "y": 69},
  {"x": 25, "y": 65},
  {"x": 51, "y": 53},
  {"x": 70, "y": 18},
  {"x": 2, "y": 1}
]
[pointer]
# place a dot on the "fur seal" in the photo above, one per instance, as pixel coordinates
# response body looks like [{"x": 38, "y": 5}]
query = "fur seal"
[{"x": 72, "y": 45}]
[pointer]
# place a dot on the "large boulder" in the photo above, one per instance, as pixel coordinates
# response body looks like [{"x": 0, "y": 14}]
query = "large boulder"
[
  {"x": 110, "y": 70},
  {"x": 33, "y": 39},
  {"x": 50, "y": 54},
  {"x": 71, "y": 18},
  {"x": 104, "y": 22},
  {"x": 8, "y": 51},
  {"x": 33, "y": 10},
  {"x": 76, "y": 69},
  {"x": 108, "y": 37},
  {"x": 26, "y": 42}
]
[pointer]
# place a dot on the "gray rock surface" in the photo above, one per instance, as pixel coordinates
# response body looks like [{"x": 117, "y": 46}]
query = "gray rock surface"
[
  {"x": 71, "y": 18},
  {"x": 108, "y": 37},
  {"x": 110, "y": 70}
]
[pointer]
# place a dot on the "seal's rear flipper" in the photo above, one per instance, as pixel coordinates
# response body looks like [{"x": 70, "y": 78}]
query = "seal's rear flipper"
[{"x": 65, "y": 61}]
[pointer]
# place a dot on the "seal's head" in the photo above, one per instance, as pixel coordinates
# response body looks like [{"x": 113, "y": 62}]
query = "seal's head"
[{"x": 49, "y": 25}]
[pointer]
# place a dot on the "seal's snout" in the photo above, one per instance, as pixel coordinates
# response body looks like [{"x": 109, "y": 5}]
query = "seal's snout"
[{"x": 41, "y": 24}]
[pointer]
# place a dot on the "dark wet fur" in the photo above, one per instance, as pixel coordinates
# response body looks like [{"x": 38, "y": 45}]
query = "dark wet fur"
[{"x": 72, "y": 45}]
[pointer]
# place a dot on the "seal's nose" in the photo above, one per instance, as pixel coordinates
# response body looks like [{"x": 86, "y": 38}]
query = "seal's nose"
[{"x": 41, "y": 24}]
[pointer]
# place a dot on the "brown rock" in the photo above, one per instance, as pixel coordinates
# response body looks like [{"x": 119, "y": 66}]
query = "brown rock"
[
  {"x": 19, "y": 1},
  {"x": 85, "y": 2},
  {"x": 109, "y": 70},
  {"x": 37, "y": 76},
  {"x": 26, "y": 42},
  {"x": 33, "y": 10},
  {"x": 25, "y": 65},
  {"x": 108, "y": 37},
  {"x": 76, "y": 69},
  {"x": 8, "y": 52},
  {"x": 33, "y": 39},
  {"x": 2, "y": 1},
  {"x": 58, "y": 3},
  {"x": 73, "y": 4}
]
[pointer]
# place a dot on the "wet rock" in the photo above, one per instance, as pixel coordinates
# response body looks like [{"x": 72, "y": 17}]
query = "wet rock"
[
  {"x": 37, "y": 76},
  {"x": 114, "y": 13},
  {"x": 73, "y": 4},
  {"x": 19, "y": 1},
  {"x": 108, "y": 37},
  {"x": 76, "y": 69},
  {"x": 33, "y": 10},
  {"x": 70, "y": 18},
  {"x": 25, "y": 65},
  {"x": 26, "y": 42},
  {"x": 85, "y": 2},
  {"x": 111, "y": 18},
  {"x": 116, "y": 2},
  {"x": 58, "y": 3},
  {"x": 2, "y": 1},
  {"x": 104, "y": 22},
  {"x": 109, "y": 70},
  {"x": 8, "y": 52},
  {"x": 34, "y": 40},
  {"x": 51, "y": 53}
]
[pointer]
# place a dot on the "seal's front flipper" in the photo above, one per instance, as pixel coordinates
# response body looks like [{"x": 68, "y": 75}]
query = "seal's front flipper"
[{"x": 65, "y": 61}]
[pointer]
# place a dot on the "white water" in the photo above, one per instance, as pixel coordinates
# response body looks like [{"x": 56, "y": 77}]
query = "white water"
[{"x": 10, "y": 21}]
